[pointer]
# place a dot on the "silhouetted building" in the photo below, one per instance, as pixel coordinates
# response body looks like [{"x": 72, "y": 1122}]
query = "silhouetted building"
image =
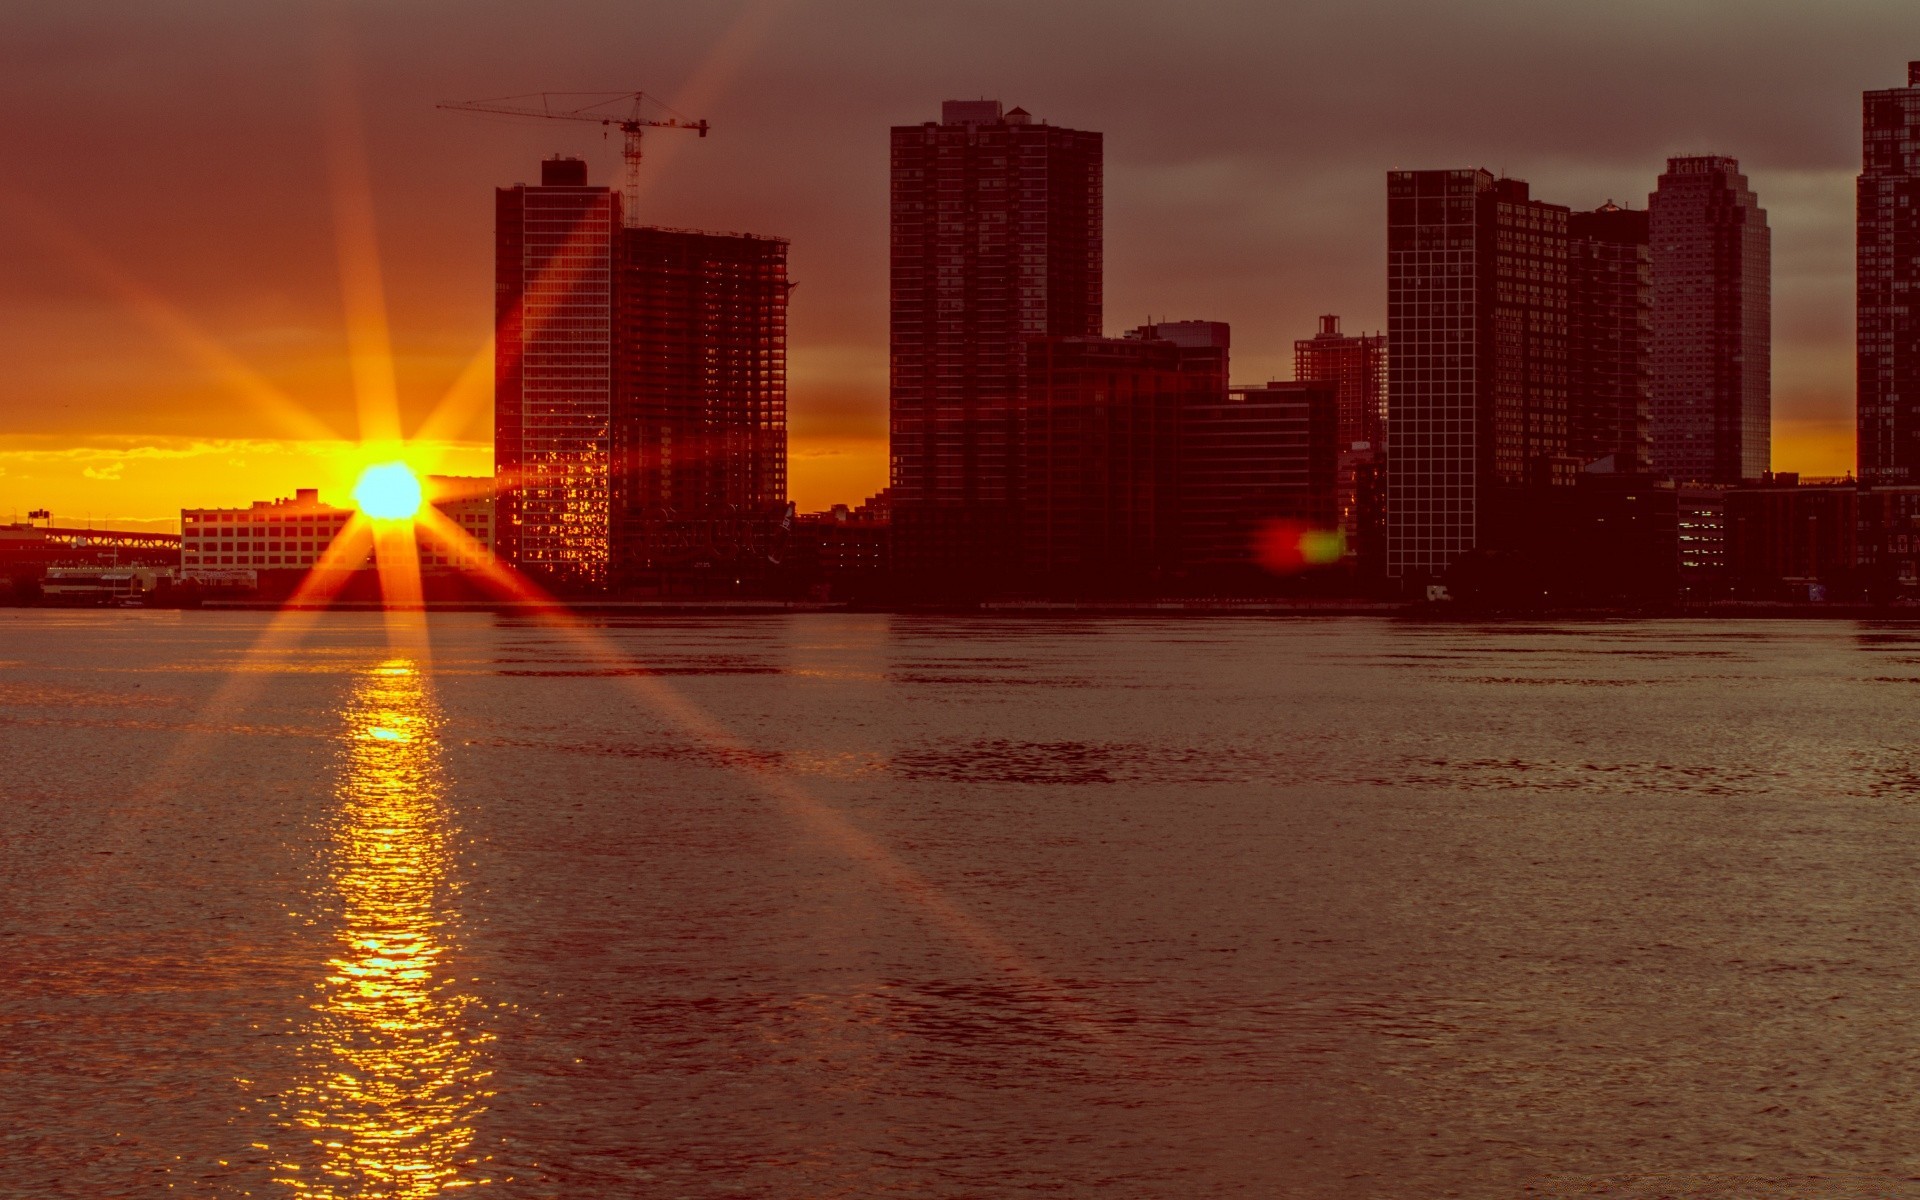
[
  {"x": 1888, "y": 541},
  {"x": 554, "y": 249},
  {"x": 1249, "y": 458},
  {"x": 1205, "y": 348},
  {"x": 996, "y": 237},
  {"x": 1789, "y": 540},
  {"x": 1358, "y": 365},
  {"x": 1712, "y": 324},
  {"x": 1100, "y": 419},
  {"x": 844, "y": 553},
  {"x": 1476, "y": 364},
  {"x": 1640, "y": 540},
  {"x": 1888, "y": 285},
  {"x": 1609, "y": 337},
  {"x": 699, "y": 423}
]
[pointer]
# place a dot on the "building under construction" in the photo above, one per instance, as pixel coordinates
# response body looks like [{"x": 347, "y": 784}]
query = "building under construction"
[
  {"x": 640, "y": 434},
  {"x": 699, "y": 426}
]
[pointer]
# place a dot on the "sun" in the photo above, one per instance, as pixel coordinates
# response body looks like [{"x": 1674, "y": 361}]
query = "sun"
[{"x": 388, "y": 492}]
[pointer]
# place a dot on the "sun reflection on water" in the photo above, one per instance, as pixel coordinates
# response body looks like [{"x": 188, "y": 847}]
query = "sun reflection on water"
[{"x": 395, "y": 1074}]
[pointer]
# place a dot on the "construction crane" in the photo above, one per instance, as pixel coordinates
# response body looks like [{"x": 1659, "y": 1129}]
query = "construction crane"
[{"x": 552, "y": 106}]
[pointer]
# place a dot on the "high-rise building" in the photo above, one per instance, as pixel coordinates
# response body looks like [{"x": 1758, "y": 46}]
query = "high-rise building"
[
  {"x": 1609, "y": 337},
  {"x": 640, "y": 391},
  {"x": 699, "y": 418},
  {"x": 1712, "y": 323},
  {"x": 996, "y": 237},
  {"x": 554, "y": 248},
  {"x": 1476, "y": 363},
  {"x": 1357, "y": 364},
  {"x": 1888, "y": 285}
]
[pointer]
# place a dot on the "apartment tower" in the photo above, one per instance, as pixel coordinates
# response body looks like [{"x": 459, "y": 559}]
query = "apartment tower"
[
  {"x": 1888, "y": 285},
  {"x": 1357, "y": 365},
  {"x": 554, "y": 248},
  {"x": 699, "y": 422},
  {"x": 996, "y": 238},
  {"x": 1712, "y": 324},
  {"x": 1476, "y": 363},
  {"x": 1609, "y": 338}
]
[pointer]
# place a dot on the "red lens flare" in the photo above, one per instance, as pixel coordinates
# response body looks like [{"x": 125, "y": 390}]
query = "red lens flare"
[{"x": 1284, "y": 547}]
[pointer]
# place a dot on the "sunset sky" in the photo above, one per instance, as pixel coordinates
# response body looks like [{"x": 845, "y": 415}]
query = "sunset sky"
[{"x": 174, "y": 189}]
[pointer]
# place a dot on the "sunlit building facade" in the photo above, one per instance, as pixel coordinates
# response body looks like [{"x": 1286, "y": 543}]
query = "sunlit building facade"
[
  {"x": 554, "y": 253},
  {"x": 1476, "y": 363},
  {"x": 1712, "y": 254},
  {"x": 291, "y": 533},
  {"x": 297, "y": 533},
  {"x": 1888, "y": 284},
  {"x": 996, "y": 237}
]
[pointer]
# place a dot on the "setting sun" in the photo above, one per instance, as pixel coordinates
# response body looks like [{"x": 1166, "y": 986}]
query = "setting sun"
[{"x": 388, "y": 492}]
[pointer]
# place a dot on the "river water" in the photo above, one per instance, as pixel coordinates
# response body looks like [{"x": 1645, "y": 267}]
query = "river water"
[{"x": 867, "y": 905}]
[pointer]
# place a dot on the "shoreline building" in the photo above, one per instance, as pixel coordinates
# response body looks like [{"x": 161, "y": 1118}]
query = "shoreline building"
[
  {"x": 1609, "y": 338},
  {"x": 640, "y": 403},
  {"x": 1476, "y": 365},
  {"x": 1357, "y": 365},
  {"x": 699, "y": 418},
  {"x": 1887, "y": 400},
  {"x": 296, "y": 533},
  {"x": 1712, "y": 324},
  {"x": 996, "y": 237},
  {"x": 1251, "y": 456},
  {"x": 1100, "y": 454},
  {"x": 554, "y": 248}
]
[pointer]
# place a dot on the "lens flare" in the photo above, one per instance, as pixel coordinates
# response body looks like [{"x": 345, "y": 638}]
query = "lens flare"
[
  {"x": 1287, "y": 547},
  {"x": 388, "y": 492}
]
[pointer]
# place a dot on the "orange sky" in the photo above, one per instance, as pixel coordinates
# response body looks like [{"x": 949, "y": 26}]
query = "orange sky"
[{"x": 172, "y": 305}]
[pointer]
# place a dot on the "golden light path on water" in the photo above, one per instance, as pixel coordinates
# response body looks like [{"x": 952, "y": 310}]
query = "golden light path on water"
[{"x": 393, "y": 1065}]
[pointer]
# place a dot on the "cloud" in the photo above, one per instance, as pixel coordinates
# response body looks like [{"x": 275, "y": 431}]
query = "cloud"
[
  {"x": 1247, "y": 144},
  {"x": 110, "y": 472}
]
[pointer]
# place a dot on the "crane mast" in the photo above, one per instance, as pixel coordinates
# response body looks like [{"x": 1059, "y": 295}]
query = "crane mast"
[{"x": 554, "y": 106}]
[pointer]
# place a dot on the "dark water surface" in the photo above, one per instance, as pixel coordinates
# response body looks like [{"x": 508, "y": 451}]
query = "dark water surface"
[{"x": 855, "y": 906}]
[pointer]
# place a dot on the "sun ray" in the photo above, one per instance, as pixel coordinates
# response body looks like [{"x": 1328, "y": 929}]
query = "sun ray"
[
  {"x": 369, "y": 341},
  {"x": 819, "y": 818},
  {"x": 166, "y": 319},
  {"x": 718, "y": 70},
  {"x": 466, "y": 401}
]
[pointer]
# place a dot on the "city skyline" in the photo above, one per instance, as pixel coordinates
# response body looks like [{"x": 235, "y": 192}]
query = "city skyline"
[{"x": 1254, "y": 222}]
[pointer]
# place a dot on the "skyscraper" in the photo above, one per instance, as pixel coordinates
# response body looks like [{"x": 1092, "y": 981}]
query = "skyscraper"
[
  {"x": 1476, "y": 362},
  {"x": 640, "y": 391},
  {"x": 1888, "y": 285},
  {"x": 553, "y": 372},
  {"x": 1357, "y": 365},
  {"x": 699, "y": 421},
  {"x": 1712, "y": 324},
  {"x": 1609, "y": 337},
  {"x": 996, "y": 237}
]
